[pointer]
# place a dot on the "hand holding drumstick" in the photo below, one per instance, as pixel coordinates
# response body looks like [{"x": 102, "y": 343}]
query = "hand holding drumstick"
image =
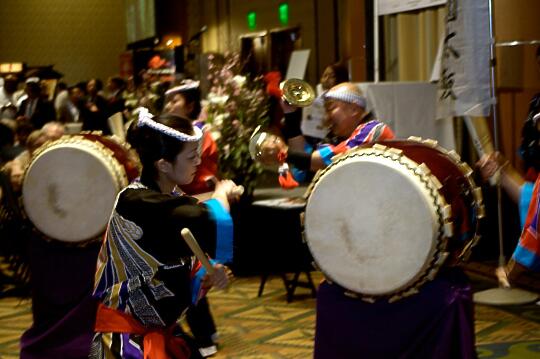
[{"x": 218, "y": 275}]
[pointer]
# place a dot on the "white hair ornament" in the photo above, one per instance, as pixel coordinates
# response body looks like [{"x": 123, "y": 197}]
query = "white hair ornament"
[
  {"x": 145, "y": 119},
  {"x": 185, "y": 86}
]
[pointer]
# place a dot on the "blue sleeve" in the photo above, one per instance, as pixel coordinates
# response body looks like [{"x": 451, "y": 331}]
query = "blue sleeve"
[
  {"x": 298, "y": 174},
  {"x": 196, "y": 284},
  {"x": 224, "y": 230},
  {"x": 326, "y": 154},
  {"x": 524, "y": 201}
]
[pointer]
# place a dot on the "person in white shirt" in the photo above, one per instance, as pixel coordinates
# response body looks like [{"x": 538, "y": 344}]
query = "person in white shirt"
[{"x": 8, "y": 102}]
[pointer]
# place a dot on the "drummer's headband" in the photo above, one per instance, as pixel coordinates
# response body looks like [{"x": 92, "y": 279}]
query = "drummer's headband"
[
  {"x": 186, "y": 86},
  {"x": 342, "y": 93},
  {"x": 145, "y": 119}
]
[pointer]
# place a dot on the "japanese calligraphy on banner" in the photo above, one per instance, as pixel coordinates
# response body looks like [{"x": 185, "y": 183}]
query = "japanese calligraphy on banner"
[
  {"x": 386, "y": 7},
  {"x": 464, "y": 84}
]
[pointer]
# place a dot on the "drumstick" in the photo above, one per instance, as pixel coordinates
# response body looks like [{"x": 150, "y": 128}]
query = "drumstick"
[
  {"x": 196, "y": 249},
  {"x": 481, "y": 137}
]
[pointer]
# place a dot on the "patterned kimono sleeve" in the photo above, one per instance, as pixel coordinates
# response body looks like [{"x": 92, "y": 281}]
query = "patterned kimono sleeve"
[
  {"x": 366, "y": 133},
  {"x": 527, "y": 252}
]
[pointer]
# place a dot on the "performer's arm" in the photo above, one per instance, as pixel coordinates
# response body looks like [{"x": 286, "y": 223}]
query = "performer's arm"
[
  {"x": 526, "y": 256},
  {"x": 305, "y": 161},
  {"x": 511, "y": 180}
]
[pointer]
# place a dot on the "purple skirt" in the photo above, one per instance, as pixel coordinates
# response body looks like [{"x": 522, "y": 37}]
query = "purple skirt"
[
  {"x": 436, "y": 323},
  {"x": 63, "y": 309}
]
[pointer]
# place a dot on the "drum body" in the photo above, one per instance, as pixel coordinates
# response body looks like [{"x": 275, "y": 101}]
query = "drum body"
[
  {"x": 380, "y": 222},
  {"x": 71, "y": 184}
]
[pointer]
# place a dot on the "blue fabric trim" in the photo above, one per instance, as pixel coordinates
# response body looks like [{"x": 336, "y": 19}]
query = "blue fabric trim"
[
  {"x": 527, "y": 258},
  {"x": 308, "y": 148},
  {"x": 196, "y": 283},
  {"x": 299, "y": 175},
  {"x": 224, "y": 230},
  {"x": 326, "y": 154},
  {"x": 525, "y": 195}
]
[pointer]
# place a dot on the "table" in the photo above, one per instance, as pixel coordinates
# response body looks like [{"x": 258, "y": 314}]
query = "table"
[{"x": 268, "y": 238}]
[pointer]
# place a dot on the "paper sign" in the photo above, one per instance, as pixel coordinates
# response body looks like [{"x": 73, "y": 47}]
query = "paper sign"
[
  {"x": 297, "y": 64},
  {"x": 313, "y": 120},
  {"x": 386, "y": 7}
]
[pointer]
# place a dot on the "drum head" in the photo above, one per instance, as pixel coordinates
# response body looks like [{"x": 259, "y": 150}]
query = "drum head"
[
  {"x": 372, "y": 224},
  {"x": 69, "y": 191}
]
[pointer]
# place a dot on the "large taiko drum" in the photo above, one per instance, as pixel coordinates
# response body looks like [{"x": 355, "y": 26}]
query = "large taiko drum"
[
  {"x": 71, "y": 184},
  {"x": 381, "y": 221}
]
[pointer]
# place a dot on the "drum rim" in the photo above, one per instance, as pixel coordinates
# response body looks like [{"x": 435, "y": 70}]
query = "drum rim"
[
  {"x": 467, "y": 173},
  {"x": 432, "y": 266},
  {"x": 116, "y": 169}
]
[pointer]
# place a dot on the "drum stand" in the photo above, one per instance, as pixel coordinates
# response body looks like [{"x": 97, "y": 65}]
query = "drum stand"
[{"x": 500, "y": 296}]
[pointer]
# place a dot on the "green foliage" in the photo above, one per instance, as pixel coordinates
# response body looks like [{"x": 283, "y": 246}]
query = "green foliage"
[{"x": 236, "y": 105}]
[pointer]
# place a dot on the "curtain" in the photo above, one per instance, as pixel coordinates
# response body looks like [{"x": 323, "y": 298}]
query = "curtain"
[{"x": 411, "y": 40}]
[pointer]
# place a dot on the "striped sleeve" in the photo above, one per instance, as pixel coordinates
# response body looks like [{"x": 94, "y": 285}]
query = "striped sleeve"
[
  {"x": 365, "y": 133},
  {"x": 527, "y": 252}
]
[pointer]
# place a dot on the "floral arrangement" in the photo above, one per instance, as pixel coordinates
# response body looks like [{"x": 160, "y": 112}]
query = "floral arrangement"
[{"x": 235, "y": 106}]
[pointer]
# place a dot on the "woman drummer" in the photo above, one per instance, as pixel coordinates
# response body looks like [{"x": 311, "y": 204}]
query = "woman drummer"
[
  {"x": 185, "y": 101},
  {"x": 146, "y": 277}
]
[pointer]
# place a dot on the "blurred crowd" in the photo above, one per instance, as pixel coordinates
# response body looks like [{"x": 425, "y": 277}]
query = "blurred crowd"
[{"x": 32, "y": 113}]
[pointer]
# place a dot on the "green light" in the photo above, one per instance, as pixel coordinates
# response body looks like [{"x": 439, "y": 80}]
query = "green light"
[
  {"x": 284, "y": 13},
  {"x": 252, "y": 20}
]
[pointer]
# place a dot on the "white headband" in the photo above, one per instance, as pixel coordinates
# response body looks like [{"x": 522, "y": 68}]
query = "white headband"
[
  {"x": 145, "y": 119},
  {"x": 32, "y": 79},
  {"x": 188, "y": 85},
  {"x": 344, "y": 94}
]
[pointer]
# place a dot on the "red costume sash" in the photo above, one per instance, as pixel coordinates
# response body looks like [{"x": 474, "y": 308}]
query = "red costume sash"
[{"x": 158, "y": 344}]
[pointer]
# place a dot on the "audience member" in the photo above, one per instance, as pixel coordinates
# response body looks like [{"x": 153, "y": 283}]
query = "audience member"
[
  {"x": 96, "y": 116},
  {"x": 8, "y": 102},
  {"x": 35, "y": 109},
  {"x": 115, "y": 99}
]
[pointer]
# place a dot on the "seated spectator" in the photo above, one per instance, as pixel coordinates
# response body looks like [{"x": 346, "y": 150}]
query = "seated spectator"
[{"x": 35, "y": 109}]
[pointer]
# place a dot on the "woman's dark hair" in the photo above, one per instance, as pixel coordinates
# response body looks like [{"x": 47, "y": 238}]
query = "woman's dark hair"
[
  {"x": 192, "y": 96},
  {"x": 341, "y": 73},
  {"x": 152, "y": 145},
  {"x": 99, "y": 84}
]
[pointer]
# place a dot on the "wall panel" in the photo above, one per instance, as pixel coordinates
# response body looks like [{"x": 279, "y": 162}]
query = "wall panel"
[{"x": 82, "y": 38}]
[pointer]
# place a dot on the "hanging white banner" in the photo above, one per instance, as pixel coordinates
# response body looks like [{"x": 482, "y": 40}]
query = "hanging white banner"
[
  {"x": 464, "y": 85},
  {"x": 386, "y": 7}
]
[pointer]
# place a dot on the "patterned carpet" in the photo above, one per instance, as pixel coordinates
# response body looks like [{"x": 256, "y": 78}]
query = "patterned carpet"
[{"x": 269, "y": 327}]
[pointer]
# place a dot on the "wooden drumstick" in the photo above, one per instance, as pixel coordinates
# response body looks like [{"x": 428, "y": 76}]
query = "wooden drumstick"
[
  {"x": 481, "y": 138},
  {"x": 196, "y": 249}
]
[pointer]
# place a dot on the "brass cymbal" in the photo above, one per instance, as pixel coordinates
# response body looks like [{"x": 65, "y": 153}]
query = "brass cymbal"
[{"x": 297, "y": 92}]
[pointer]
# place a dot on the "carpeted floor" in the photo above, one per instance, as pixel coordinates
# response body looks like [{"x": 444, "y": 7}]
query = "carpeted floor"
[{"x": 269, "y": 327}]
